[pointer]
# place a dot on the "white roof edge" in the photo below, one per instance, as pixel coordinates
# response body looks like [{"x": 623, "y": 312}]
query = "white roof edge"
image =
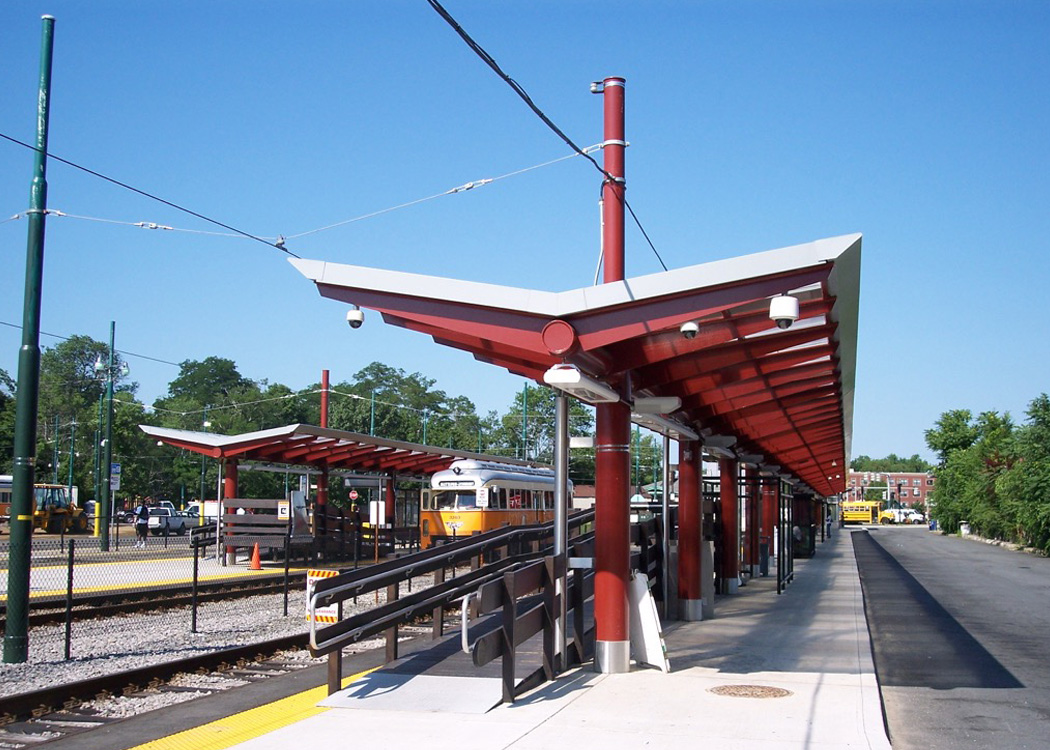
[
  {"x": 557, "y": 304},
  {"x": 214, "y": 439}
]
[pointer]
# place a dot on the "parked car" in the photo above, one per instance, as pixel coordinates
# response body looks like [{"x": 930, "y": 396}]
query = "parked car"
[{"x": 166, "y": 521}]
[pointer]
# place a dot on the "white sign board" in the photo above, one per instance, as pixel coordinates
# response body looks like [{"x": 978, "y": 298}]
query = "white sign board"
[
  {"x": 377, "y": 512},
  {"x": 284, "y": 510},
  {"x": 647, "y": 639},
  {"x": 114, "y": 477},
  {"x": 483, "y": 497}
]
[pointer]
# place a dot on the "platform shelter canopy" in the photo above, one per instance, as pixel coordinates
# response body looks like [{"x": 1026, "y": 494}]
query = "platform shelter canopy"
[
  {"x": 322, "y": 448},
  {"x": 779, "y": 397}
]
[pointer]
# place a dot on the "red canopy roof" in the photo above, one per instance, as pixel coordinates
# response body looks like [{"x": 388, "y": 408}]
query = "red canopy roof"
[
  {"x": 307, "y": 445},
  {"x": 785, "y": 396}
]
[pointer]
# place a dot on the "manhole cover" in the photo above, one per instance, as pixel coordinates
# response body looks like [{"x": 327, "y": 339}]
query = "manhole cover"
[{"x": 750, "y": 691}]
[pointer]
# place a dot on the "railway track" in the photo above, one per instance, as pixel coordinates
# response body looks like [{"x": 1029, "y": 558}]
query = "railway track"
[
  {"x": 30, "y": 718},
  {"x": 52, "y": 610},
  {"x": 72, "y": 709}
]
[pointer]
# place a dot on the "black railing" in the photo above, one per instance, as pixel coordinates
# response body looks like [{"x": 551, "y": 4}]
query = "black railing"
[{"x": 504, "y": 548}]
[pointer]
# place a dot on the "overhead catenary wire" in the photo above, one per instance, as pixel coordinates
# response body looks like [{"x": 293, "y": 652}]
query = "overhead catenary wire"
[
  {"x": 520, "y": 91},
  {"x": 278, "y": 244},
  {"x": 118, "y": 351},
  {"x": 281, "y": 239}
]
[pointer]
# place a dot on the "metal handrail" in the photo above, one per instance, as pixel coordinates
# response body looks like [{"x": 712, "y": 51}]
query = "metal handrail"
[{"x": 364, "y": 580}]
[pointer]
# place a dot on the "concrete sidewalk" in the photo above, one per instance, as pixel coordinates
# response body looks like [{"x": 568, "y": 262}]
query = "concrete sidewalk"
[{"x": 808, "y": 645}]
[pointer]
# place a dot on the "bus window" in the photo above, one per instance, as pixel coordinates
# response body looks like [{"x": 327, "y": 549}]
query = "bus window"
[
  {"x": 548, "y": 498},
  {"x": 498, "y": 498},
  {"x": 514, "y": 501}
]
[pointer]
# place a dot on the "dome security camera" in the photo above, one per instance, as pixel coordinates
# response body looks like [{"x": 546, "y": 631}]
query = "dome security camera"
[
  {"x": 355, "y": 317},
  {"x": 689, "y": 329},
  {"x": 783, "y": 310}
]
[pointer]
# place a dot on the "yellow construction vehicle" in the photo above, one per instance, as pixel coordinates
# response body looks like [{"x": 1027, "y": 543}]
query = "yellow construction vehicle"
[{"x": 56, "y": 509}]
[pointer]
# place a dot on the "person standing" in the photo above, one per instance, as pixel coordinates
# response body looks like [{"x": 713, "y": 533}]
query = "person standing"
[{"x": 141, "y": 523}]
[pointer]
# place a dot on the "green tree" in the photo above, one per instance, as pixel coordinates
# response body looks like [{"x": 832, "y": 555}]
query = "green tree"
[
  {"x": 1025, "y": 485},
  {"x": 7, "y": 421},
  {"x": 953, "y": 431},
  {"x": 891, "y": 463}
]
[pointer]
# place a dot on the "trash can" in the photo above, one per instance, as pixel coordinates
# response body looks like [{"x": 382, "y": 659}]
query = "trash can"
[
  {"x": 763, "y": 556},
  {"x": 933, "y": 525}
]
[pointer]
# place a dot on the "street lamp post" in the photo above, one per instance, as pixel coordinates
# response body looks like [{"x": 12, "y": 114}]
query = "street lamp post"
[{"x": 107, "y": 440}]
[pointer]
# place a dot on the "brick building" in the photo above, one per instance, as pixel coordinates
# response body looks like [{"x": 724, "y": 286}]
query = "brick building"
[{"x": 911, "y": 488}]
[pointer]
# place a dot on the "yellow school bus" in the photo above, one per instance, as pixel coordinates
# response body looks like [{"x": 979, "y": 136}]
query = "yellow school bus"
[{"x": 861, "y": 511}]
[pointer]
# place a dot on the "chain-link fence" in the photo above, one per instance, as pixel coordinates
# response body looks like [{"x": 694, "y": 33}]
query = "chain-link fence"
[{"x": 78, "y": 586}]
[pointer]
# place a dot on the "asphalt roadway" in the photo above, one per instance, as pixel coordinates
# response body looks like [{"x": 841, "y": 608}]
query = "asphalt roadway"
[{"x": 959, "y": 632}]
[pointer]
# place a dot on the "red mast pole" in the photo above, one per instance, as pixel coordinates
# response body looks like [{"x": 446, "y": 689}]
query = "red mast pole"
[{"x": 613, "y": 426}]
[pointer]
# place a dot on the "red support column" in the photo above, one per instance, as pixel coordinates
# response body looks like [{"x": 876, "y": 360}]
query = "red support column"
[
  {"x": 728, "y": 488},
  {"x": 612, "y": 467},
  {"x": 390, "y": 506},
  {"x": 690, "y": 520},
  {"x": 229, "y": 481},
  {"x": 229, "y": 492}
]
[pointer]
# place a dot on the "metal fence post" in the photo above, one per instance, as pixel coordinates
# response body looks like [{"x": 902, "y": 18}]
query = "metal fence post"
[
  {"x": 69, "y": 598},
  {"x": 193, "y": 594}
]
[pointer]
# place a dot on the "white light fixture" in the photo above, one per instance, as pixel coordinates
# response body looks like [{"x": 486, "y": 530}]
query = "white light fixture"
[
  {"x": 719, "y": 445},
  {"x": 581, "y": 441},
  {"x": 656, "y": 404},
  {"x": 569, "y": 379},
  {"x": 664, "y": 426}
]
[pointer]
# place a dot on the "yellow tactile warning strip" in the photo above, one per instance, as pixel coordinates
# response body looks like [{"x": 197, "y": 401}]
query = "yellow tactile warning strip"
[{"x": 247, "y": 725}]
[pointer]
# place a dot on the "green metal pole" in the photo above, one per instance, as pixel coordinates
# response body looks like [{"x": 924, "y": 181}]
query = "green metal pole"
[
  {"x": 97, "y": 458},
  {"x": 54, "y": 455},
  {"x": 16, "y": 630},
  {"x": 107, "y": 453},
  {"x": 72, "y": 453},
  {"x": 637, "y": 456},
  {"x": 525, "y": 422},
  {"x": 372, "y": 422}
]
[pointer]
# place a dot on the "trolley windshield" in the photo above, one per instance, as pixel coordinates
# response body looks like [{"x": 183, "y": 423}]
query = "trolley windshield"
[{"x": 456, "y": 499}]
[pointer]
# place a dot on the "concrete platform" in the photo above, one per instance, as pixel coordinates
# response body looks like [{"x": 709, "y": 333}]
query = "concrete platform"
[{"x": 808, "y": 645}]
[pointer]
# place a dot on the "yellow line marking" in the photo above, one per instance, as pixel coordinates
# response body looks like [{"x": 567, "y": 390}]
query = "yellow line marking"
[{"x": 247, "y": 725}]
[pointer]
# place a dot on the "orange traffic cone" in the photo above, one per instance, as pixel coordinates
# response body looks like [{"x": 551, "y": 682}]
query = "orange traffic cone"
[{"x": 255, "y": 564}]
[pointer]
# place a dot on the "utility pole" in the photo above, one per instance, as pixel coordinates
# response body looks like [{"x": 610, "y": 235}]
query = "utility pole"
[{"x": 16, "y": 630}]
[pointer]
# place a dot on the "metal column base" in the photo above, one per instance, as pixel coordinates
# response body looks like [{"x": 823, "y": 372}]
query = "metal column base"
[
  {"x": 691, "y": 610},
  {"x": 731, "y": 585},
  {"x": 612, "y": 657}
]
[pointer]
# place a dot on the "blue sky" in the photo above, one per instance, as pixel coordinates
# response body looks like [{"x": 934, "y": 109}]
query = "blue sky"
[{"x": 753, "y": 125}]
